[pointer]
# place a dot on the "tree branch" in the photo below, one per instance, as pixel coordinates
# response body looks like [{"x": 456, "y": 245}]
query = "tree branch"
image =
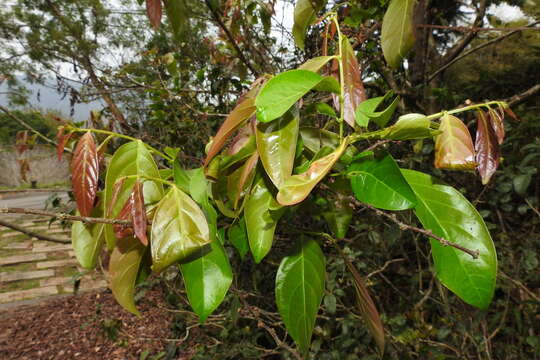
[
  {"x": 467, "y": 53},
  {"x": 25, "y": 124},
  {"x": 31, "y": 233},
  {"x": 462, "y": 44},
  {"x": 64, "y": 216},
  {"x": 227, "y": 32},
  {"x": 428, "y": 233},
  {"x": 517, "y": 99}
]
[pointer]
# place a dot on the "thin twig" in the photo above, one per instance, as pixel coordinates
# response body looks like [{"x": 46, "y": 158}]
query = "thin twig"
[
  {"x": 31, "y": 233},
  {"x": 24, "y": 124},
  {"x": 383, "y": 267},
  {"x": 227, "y": 32},
  {"x": 428, "y": 233},
  {"x": 33, "y": 190},
  {"x": 474, "y": 29},
  {"x": 63, "y": 216},
  {"x": 278, "y": 340},
  {"x": 466, "y": 53}
]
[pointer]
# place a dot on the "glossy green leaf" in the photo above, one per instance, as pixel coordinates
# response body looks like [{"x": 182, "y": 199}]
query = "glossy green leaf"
[
  {"x": 262, "y": 213},
  {"x": 132, "y": 158},
  {"x": 237, "y": 235},
  {"x": 367, "y": 111},
  {"x": 445, "y": 211},
  {"x": 304, "y": 15},
  {"x": 339, "y": 215},
  {"x": 297, "y": 187},
  {"x": 315, "y": 64},
  {"x": 397, "y": 33},
  {"x": 177, "y": 13},
  {"x": 299, "y": 290},
  {"x": 454, "y": 148},
  {"x": 409, "y": 127},
  {"x": 377, "y": 180},
  {"x": 87, "y": 241},
  {"x": 281, "y": 92},
  {"x": 325, "y": 109},
  {"x": 181, "y": 176},
  {"x": 123, "y": 269},
  {"x": 329, "y": 84},
  {"x": 207, "y": 280},
  {"x": 276, "y": 144},
  {"x": 179, "y": 229},
  {"x": 199, "y": 191}
]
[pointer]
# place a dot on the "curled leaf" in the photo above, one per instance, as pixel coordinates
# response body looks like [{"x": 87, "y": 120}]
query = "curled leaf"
[
  {"x": 296, "y": 188},
  {"x": 367, "y": 307},
  {"x": 138, "y": 213},
  {"x": 61, "y": 141},
  {"x": 497, "y": 123},
  {"x": 85, "y": 173},
  {"x": 243, "y": 111},
  {"x": 487, "y": 148},
  {"x": 453, "y": 146}
]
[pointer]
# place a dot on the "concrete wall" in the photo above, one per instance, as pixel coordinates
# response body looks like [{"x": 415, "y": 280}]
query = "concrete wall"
[{"x": 44, "y": 166}]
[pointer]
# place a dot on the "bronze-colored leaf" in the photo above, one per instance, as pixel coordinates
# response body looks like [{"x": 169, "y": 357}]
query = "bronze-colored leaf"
[
  {"x": 354, "y": 92},
  {"x": 85, "y": 173},
  {"x": 24, "y": 168},
  {"x": 120, "y": 230},
  {"x": 116, "y": 191},
  {"x": 367, "y": 307},
  {"x": 138, "y": 213},
  {"x": 61, "y": 140},
  {"x": 21, "y": 141},
  {"x": 154, "y": 12},
  {"x": 497, "y": 123},
  {"x": 243, "y": 111},
  {"x": 246, "y": 177},
  {"x": 487, "y": 148},
  {"x": 453, "y": 146}
]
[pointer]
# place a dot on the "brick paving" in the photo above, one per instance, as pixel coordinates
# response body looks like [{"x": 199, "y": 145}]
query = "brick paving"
[{"x": 31, "y": 268}]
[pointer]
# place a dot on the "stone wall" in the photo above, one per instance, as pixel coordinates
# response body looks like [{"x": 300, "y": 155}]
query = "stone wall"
[{"x": 45, "y": 168}]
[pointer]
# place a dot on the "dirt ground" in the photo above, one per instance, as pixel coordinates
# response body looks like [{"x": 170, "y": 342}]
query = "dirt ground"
[{"x": 87, "y": 326}]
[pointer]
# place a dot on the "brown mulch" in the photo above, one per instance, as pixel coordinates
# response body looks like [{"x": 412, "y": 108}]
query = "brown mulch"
[{"x": 85, "y": 326}]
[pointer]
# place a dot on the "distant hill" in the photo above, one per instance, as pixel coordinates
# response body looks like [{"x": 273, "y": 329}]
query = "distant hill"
[{"x": 50, "y": 99}]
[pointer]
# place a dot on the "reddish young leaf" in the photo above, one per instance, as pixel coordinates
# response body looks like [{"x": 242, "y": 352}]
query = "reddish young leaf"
[
  {"x": 116, "y": 190},
  {"x": 510, "y": 113},
  {"x": 138, "y": 213},
  {"x": 24, "y": 168},
  {"x": 154, "y": 12},
  {"x": 246, "y": 176},
  {"x": 367, "y": 307},
  {"x": 85, "y": 173},
  {"x": 61, "y": 140},
  {"x": 497, "y": 123},
  {"x": 21, "y": 142},
  {"x": 454, "y": 148},
  {"x": 120, "y": 230},
  {"x": 243, "y": 111},
  {"x": 354, "y": 92},
  {"x": 487, "y": 148}
]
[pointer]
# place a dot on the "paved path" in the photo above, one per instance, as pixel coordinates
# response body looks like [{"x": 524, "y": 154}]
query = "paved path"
[{"x": 30, "y": 268}]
